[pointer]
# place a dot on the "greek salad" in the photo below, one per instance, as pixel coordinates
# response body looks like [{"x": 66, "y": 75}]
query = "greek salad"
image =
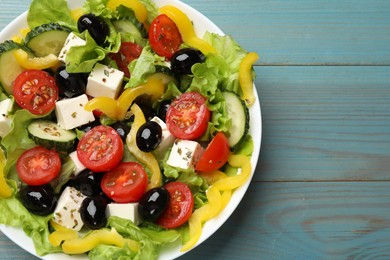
[{"x": 122, "y": 130}]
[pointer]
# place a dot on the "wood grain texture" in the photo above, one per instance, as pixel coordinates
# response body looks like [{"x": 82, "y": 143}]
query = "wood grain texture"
[{"x": 321, "y": 189}]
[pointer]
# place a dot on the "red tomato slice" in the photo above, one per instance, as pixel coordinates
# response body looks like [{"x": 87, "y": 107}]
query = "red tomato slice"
[
  {"x": 180, "y": 205},
  {"x": 215, "y": 155},
  {"x": 188, "y": 116},
  {"x": 38, "y": 166},
  {"x": 164, "y": 36},
  {"x": 36, "y": 91},
  {"x": 100, "y": 149},
  {"x": 128, "y": 52},
  {"x": 125, "y": 183}
]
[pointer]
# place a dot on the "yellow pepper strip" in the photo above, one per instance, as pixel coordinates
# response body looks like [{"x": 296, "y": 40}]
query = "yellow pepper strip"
[
  {"x": 38, "y": 63},
  {"x": 245, "y": 77},
  {"x": 153, "y": 87},
  {"x": 61, "y": 234},
  {"x": 216, "y": 201},
  {"x": 18, "y": 38},
  {"x": 76, "y": 13},
  {"x": 117, "y": 109},
  {"x": 140, "y": 11},
  {"x": 186, "y": 29},
  {"x": 5, "y": 189},
  {"x": 213, "y": 176},
  {"x": 93, "y": 239},
  {"x": 146, "y": 158},
  {"x": 105, "y": 104}
]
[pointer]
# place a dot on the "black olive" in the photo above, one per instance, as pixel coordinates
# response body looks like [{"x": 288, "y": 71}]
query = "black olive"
[
  {"x": 93, "y": 212},
  {"x": 122, "y": 129},
  {"x": 148, "y": 136},
  {"x": 39, "y": 200},
  {"x": 70, "y": 84},
  {"x": 96, "y": 27},
  {"x": 183, "y": 59},
  {"x": 88, "y": 182},
  {"x": 153, "y": 203},
  {"x": 163, "y": 108},
  {"x": 85, "y": 128}
]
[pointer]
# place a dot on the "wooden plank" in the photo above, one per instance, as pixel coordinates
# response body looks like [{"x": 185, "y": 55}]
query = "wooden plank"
[
  {"x": 295, "y": 32},
  {"x": 306, "y": 31},
  {"x": 305, "y": 221},
  {"x": 324, "y": 123}
]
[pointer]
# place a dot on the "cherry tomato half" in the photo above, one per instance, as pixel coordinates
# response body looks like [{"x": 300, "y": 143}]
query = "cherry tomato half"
[
  {"x": 180, "y": 205},
  {"x": 188, "y": 116},
  {"x": 215, "y": 155},
  {"x": 36, "y": 91},
  {"x": 38, "y": 166},
  {"x": 164, "y": 36},
  {"x": 128, "y": 52},
  {"x": 125, "y": 183},
  {"x": 100, "y": 149}
]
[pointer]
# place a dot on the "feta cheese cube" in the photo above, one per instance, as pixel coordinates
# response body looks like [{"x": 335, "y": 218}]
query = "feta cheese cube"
[
  {"x": 167, "y": 138},
  {"x": 104, "y": 82},
  {"x": 124, "y": 210},
  {"x": 184, "y": 154},
  {"x": 71, "y": 113},
  {"x": 5, "y": 118},
  {"x": 79, "y": 166},
  {"x": 67, "y": 211},
  {"x": 71, "y": 41}
]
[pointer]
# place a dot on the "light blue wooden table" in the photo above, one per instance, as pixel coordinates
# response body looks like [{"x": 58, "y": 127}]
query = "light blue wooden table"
[{"x": 321, "y": 189}]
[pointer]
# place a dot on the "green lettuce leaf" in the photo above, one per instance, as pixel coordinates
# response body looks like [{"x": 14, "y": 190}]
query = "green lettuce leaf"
[{"x": 46, "y": 11}]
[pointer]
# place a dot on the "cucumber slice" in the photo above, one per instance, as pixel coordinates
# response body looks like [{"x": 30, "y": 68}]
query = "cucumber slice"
[
  {"x": 9, "y": 67},
  {"x": 125, "y": 26},
  {"x": 48, "y": 134},
  {"x": 166, "y": 74},
  {"x": 47, "y": 39},
  {"x": 239, "y": 114}
]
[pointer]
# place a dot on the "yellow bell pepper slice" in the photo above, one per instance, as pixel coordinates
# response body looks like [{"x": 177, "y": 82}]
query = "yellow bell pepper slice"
[
  {"x": 38, "y": 63},
  {"x": 140, "y": 11},
  {"x": 147, "y": 159},
  {"x": 5, "y": 189},
  {"x": 186, "y": 29},
  {"x": 218, "y": 196},
  {"x": 95, "y": 238},
  {"x": 105, "y": 104},
  {"x": 245, "y": 77},
  {"x": 76, "y": 13},
  {"x": 117, "y": 109}
]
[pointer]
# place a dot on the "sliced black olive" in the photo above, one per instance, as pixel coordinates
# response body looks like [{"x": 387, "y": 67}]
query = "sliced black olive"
[
  {"x": 122, "y": 129},
  {"x": 70, "y": 84},
  {"x": 183, "y": 59},
  {"x": 88, "y": 182},
  {"x": 93, "y": 212},
  {"x": 163, "y": 108},
  {"x": 96, "y": 27},
  {"x": 149, "y": 136},
  {"x": 39, "y": 200},
  {"x": 153, "y": 203}
]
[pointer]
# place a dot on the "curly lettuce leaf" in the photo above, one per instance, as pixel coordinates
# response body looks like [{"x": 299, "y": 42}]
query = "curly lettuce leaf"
[{"x": 46, "y": 11}]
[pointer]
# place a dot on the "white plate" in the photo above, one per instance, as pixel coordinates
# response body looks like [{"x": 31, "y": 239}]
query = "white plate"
[{"x": 201, "y": 24}]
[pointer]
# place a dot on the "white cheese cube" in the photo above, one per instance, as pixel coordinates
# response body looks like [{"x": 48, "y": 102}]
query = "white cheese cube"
[
  {"x": 70, "y": 112},
  {"x": 79, "y": 166},
  {"x": 67, "y": 212},
  {"x": 71, "y": 41},
  {"x": 184, "y": 154},
  {"x": 167, "y": 138},
  {"x": 104, "y": 82},
  {"x": 124, "y": 210},
  {"x": 5, "y": 118}
]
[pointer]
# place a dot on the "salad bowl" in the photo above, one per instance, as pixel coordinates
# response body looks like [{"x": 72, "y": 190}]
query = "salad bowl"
[{"x": 201, "y": 25}]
